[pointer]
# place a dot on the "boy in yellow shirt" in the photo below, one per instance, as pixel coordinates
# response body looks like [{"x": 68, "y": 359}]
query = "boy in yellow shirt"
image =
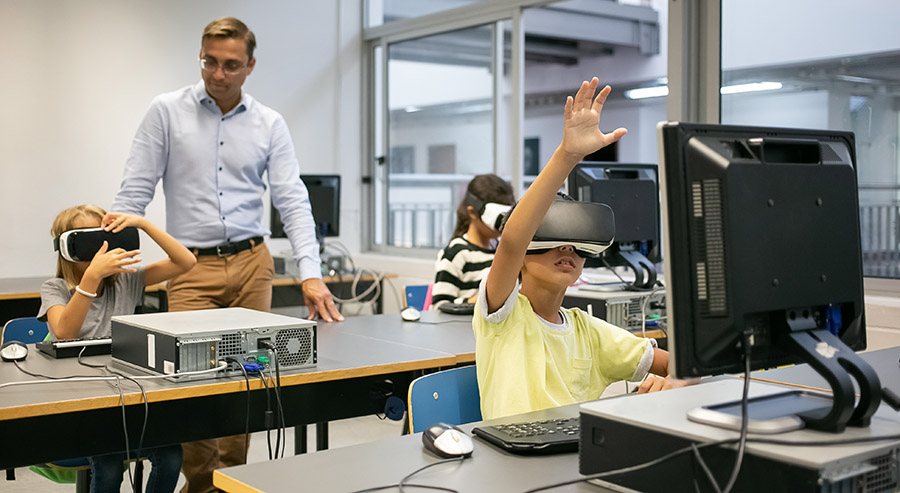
[{"x": 531, "y": 354}]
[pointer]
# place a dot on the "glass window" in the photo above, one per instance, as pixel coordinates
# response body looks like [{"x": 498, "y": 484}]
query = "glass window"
[
  {"x": 440, "y": 132},
  {"x": 811, "y": 64},
  {"x": 449, "y": 106},
  {"x": 618, "y": 42}
]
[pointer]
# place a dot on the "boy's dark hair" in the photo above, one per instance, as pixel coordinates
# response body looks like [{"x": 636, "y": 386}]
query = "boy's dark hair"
[
  {"x": 559, "y": 196},
  {"x": 487, "y": 188}
]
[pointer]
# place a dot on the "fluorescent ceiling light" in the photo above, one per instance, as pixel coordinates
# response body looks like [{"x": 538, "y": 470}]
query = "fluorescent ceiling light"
[
  {"x": 854, "y": 78},
  {"x": 412, "y": 109},
  {"x": 659, "y": 91},
  {"x": 647, "y": 92},
  {"x": 751, "y": 87}
]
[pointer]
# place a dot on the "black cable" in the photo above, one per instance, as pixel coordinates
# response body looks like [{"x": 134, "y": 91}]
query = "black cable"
[
  {"x": 278, "y": 417},
  {"x": 276, "y": 363},
  {"x": 403, "y": 482},
  {"x": 268, "y": 414},
  {"x": 146, "y": 408},
  {"x": 279, "y": 402},
  {"x": 247, "y": 423},
  {"x": 624, "y": 470},
  {"x": 745, "y": 418},
  {"x": 410, "y": 485},
  {"x": 417, "y": 471}
]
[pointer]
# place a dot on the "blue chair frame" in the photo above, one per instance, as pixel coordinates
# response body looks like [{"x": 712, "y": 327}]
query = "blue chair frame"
[
  {"x": 26, "y": 329},
  {"x": 449, "y": 396},
  {"x": 418, "y": 296}
]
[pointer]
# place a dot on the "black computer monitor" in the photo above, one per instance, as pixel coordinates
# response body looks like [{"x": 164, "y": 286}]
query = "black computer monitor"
[
  {"x": 631, "y": 190},
  {"x": 762, "y": 245},
  {"x": 325, "y": 199}
]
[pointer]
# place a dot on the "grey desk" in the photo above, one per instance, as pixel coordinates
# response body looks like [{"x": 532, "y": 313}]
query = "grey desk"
[
  {"x": 884, "y": 361},
  {"x": 64, "y": 420},
  {"x": 387, "y": 461},
  {"x": 436, "y": 331}
]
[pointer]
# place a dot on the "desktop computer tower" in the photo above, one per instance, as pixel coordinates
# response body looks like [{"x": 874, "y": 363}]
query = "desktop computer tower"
[
  {"x": 631, "y": 430},
  {"x": 620, "y": 308},
  {"x": 177, "y": 342}
]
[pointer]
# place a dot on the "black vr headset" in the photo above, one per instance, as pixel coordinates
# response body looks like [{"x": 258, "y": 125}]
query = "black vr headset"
[
  {"x": 80, "y": 245},
  {"x": 491, "y": 213},
  {"x": 589, "y": 227}
]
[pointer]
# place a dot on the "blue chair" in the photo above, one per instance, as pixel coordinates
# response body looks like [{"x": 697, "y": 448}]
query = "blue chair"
[
  {"x": 449, "y": 396},
  {"x": 418, "y": 297},
  {"x": 27, "y": 329},
  {"x": 30, "y": 330}
]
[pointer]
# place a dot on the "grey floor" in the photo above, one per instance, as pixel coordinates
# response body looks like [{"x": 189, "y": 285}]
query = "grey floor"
[{"x": 340, "y": 434}]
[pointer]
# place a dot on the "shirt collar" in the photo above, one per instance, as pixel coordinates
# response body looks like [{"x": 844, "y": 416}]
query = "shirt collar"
[{"x": 205, "y": 100}]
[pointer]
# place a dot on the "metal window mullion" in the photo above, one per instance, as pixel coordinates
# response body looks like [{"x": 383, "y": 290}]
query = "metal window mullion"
[
  {"x": 517, "y": 101},
  {"x": 385, "y": 144},
  {"x": 694, "y": 60}
]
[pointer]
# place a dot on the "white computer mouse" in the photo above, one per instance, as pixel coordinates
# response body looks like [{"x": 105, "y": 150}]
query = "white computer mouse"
[
  {"x": 13, "y": 351},
  {"x": 410, "y": 314},
  {"x": 447, "y": 441}
]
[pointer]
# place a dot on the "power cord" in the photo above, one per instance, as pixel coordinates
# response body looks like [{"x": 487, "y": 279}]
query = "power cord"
[
  {"x": 281, "y": 421},
  {"x": 403, "y": 482},
  {"x": 240, "y": 365}
]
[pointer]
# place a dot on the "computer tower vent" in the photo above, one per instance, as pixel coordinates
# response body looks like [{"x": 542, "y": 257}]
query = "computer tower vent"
[
  {"x": 709, "y": 230},
  {"x": 296, "y": 347},
  {"x": 230, "y": 345},
  {"x": 885, "y": 478}
]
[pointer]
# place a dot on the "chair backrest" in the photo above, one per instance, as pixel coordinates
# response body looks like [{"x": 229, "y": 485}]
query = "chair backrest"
[
  {"x": 419, "y": 296},
  {"x": 27, "y": 329},
  {"x": 449, "y": 396}
]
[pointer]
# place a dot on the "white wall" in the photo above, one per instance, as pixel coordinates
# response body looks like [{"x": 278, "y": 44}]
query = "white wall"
[{"x": 79, "y": 76}]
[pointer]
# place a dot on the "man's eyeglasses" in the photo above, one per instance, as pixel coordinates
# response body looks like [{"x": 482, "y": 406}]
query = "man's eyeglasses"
[{"x": 230, "y": 67}]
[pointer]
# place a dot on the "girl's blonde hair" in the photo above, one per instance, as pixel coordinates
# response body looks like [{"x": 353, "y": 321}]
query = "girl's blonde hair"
[{"x": 65, "y": 221}]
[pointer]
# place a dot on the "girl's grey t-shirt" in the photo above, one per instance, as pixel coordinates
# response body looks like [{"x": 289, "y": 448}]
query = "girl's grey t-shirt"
[{"x": 126, "y": 294}]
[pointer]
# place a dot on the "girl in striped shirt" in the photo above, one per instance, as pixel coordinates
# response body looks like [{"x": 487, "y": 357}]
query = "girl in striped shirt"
[{"x": 466, "y": 259}]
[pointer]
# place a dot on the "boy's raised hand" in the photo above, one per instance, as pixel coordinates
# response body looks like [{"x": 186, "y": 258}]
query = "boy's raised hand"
[
  {"x": 581, "y": 135},
  {"x": 117, "y": 221}
]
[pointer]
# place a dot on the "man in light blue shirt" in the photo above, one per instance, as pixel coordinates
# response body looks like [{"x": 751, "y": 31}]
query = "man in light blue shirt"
[{"x": 211, "y": 144}]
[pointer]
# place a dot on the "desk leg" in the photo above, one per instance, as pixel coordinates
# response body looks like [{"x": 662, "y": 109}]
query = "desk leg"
[
  {"x": 379, "y": 303},
  {"x": 299, "y": 439},
  {"x": 300, "y": 435},
  {"x": 322, "y": 436}
]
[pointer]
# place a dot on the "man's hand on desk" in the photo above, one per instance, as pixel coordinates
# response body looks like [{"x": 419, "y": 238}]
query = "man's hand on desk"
[
  {"x": 319, "y": 301},
  {"x": 655, "y": 384}
]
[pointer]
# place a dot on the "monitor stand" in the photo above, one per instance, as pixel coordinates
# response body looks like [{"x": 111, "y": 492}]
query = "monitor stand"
[
  {"x": 792, "y": 410},
  {"x": 643, "y": 269}
]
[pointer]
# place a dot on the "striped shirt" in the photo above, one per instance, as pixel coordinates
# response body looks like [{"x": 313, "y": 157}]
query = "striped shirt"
[{"x": 459, "y": 269}]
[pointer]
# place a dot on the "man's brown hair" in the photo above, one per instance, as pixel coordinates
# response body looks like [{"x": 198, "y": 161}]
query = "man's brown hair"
[{"x": 228, "y": 28}]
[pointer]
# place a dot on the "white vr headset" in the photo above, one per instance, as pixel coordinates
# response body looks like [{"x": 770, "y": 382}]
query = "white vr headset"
[
  {"x": 490, "y": 213},
  {"x": 587, "y": 226},
  {"x": 80, "y": 245}
]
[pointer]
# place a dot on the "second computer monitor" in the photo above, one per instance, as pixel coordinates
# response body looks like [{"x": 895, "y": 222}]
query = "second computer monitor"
[
  {"x": 632, "y": 191},
  {"x": 325, "y": 199}
]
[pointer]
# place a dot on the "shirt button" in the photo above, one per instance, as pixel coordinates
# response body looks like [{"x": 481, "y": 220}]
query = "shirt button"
[
  {"x": 223, "y": 218},
  {"x": 221, "y": 143},
  {"x": 220, "y": 193},
  {"x": 220, "y": 168},
  {"x": 223, "y": 119}
]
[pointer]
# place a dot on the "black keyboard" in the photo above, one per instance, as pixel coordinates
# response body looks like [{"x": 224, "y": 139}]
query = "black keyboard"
[
  {"x": 457, "y": 308},
  {"x": 550, "y": 436},
  {"x": 70, "y": 348}
]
